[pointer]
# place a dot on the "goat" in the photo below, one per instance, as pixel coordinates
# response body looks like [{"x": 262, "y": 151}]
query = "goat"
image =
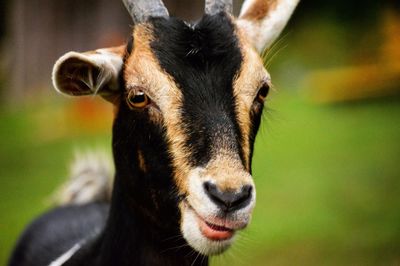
[{"x": 188, "y": 101}]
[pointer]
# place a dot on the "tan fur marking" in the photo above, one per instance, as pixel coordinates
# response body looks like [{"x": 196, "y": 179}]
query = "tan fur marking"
[
  {"x": 259, "y": 9},
  {"x": 142, "y": 69},
  {"x": 228, "y": 172},
  {"x": 245, "y": 87},
  {"x": 142, "y": 162}
]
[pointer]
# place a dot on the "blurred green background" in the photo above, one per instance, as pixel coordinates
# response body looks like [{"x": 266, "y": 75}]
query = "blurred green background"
[{"x": 327, "y": 158}]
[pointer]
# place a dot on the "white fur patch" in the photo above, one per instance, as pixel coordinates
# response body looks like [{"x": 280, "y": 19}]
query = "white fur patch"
[
  {"x": 91, "y": 179},
  {"x": 66, "y": 256},
  {"x": 191, "y": 232}
]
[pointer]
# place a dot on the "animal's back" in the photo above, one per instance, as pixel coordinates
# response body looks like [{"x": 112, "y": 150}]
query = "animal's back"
[
  {"x": 57, "y": 231},
  {"x": 83, "y": 210}
]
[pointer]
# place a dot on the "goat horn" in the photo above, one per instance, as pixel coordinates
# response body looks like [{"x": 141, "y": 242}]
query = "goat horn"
[
  {"x": 215, "y": 6},
  {"x": 141, "y": 10}
]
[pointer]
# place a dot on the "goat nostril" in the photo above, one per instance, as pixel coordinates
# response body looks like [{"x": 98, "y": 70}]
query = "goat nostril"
[
  {"x": 246, "y": 190},
  {"x": 244, "y": 195},
  {"x": 228, "y": 200},
  {"x": 207, "y": 186},
  {"x": 213, "y": 193}
]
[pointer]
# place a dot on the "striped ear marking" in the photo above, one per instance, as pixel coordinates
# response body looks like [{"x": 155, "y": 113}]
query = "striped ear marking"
[{"x": 264, "y": 20}]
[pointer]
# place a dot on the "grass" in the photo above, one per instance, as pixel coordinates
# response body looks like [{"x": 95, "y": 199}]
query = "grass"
[{"x": 328, "y": 180}]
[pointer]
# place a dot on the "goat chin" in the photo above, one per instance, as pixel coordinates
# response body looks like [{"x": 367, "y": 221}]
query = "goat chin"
[
  {"x": 90, "y": 180},
  {"x": 192, "y": 233}
]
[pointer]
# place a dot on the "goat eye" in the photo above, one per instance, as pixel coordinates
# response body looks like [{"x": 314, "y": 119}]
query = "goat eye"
[
  {"x": 137, "y": 99},
  {"x": 263, "y": 93}
]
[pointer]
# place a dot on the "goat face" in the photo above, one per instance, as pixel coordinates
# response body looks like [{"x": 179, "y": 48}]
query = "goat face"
[
  {"x": 204, "y": 89},
  {"x": 189, "y": 100}
]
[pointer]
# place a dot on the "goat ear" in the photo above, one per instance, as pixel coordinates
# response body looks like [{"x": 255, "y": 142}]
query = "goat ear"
[
  {"x": 89, "y": 73},
  {"x": 264, "y": 20}
]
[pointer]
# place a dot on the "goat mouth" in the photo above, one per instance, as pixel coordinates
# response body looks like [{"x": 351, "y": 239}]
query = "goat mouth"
[
  {"x": 215, "y": 232},
  {"x": 212, "y": 231}
]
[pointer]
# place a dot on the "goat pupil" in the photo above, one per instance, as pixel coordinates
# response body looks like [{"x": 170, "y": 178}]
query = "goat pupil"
[
  {"x": 263, "y": 92},
  {"x": 138, "y": 98}
]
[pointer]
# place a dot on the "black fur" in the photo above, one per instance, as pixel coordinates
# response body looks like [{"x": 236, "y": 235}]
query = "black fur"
[
  {"x": 255, "y": 118},
  {"x": 203, "y": 60},
  {"x": 55, "y": 232}
]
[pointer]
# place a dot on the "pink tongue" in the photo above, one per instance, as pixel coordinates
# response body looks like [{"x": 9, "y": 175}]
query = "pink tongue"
[{"x": 215, "y": 232}]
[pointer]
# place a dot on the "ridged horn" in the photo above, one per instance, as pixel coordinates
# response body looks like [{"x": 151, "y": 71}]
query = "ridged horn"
[
  {"x": 215, "y": 6},
  {"x": 141, "y": 10}
]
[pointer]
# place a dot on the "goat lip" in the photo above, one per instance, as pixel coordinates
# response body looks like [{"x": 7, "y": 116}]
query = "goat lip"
[
  {"x": 215, "y": 232},
  {"x": 210, "y": 230}
]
